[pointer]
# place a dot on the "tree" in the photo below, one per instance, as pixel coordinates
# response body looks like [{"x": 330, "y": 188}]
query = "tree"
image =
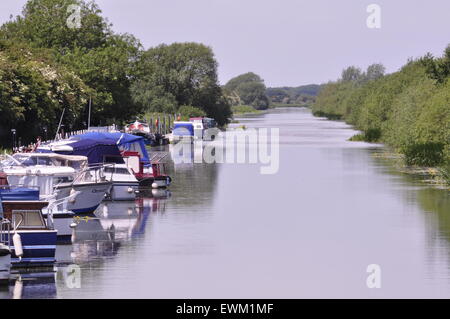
[
  {"x": 34, "y": 90},
  {"x": 351, "y": 74},
  {"x": 180, "y": 74},
  {"x": 102, "y": 59},
  {"x": 375, "y": 71},
  {"x": 251, "y": 90}
]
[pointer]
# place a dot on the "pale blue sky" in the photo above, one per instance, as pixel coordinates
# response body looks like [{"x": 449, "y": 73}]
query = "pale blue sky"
[{"x": 287, "y": 42}]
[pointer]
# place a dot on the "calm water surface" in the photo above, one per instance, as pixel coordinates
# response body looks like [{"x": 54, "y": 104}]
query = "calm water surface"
[{"x": 226, "y": 231}]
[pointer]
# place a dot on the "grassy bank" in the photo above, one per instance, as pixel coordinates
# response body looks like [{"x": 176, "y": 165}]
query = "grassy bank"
[
  {"x": 278, "y": 105},
  {"x": 408, "y": 110},
  {"x": 245, "y": 109}
]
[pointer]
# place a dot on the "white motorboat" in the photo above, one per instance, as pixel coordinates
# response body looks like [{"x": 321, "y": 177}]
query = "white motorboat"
[
  {"x": 61, "y": 175},
  {"x": 124, "y": 184}
]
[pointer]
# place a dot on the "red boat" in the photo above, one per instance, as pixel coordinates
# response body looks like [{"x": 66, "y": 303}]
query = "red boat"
[{"x": 154, "y": 176}]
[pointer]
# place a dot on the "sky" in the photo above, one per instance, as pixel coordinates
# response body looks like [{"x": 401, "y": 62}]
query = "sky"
[{"x": 286, "y": 42}]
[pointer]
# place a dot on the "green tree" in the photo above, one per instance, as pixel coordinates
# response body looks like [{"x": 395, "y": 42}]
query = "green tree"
[
  {"x": 251, "y": 90},
  {"x": 102, "y": 59},
  {"x": 170, "y": 76}
]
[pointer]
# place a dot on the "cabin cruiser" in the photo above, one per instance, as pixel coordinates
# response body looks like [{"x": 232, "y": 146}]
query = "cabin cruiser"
[
  {"x": 153, "y": 175},
  {"x": 59, "y": 175},
  {"x": 114, "y": 148},
  {"x": 32, "y": 242},
  {"x": 124, "y": 183},
  {"x": 56, "y": 213}
]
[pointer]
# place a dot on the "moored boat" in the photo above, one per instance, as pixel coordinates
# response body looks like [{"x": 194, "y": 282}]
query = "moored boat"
[
  {"x": 124, "y": 183},
  {"x": 59, "y": 175},
  {"x": 33, "y": 242}
]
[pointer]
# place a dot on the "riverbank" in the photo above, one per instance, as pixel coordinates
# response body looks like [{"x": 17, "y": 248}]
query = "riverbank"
[
  {"x": 435, "y": 175},
  {"x": 407, "y": 110},
  {"x": 241, "y": 110}
]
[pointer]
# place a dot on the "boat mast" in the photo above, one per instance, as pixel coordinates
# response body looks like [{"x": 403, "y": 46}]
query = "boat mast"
[
  {"x": 89, "y": 117},
  {"x": 60, "y": 123}
]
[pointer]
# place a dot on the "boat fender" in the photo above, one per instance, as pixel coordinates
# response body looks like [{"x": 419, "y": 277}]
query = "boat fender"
[
  {"x": 130, "y": 190},
  {"x": 155, "y": 185},
  {"x": 73, "y": 199},
  {"x": 105, "y": 211},
  {"x": 73, "y": 225},
  {"x": 18, "y": 249}
]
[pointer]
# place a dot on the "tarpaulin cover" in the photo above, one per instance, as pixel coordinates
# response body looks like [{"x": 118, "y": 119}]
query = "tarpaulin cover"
[
  {"x": 126, "y": 142},
  {"x": 183, "y": 129},
  {"x": 96, "y": 150}
]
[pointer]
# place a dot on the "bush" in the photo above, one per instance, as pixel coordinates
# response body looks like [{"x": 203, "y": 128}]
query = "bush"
[
  {"x": 188, "y": 111},
  {"x": 427, "y": 154}
]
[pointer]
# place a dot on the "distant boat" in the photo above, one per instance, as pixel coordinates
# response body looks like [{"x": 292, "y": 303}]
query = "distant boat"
[
  {"x": 183, "y": 131},
  {"x": 138, "y": 126},
  {"x": 204, "y": 128}
]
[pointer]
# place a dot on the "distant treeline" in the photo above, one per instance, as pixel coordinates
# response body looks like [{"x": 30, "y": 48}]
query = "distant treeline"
[
  {"x": 408, "y": 109},
  {"x": 49, "y": 62},
  {"x": 297, "y": 96},
  {"x": 248, "y": 89}
]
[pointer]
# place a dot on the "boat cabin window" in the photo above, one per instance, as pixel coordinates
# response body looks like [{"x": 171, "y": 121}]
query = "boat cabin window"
[
  {"x": 117, "y": 170},
  {"x": 35, "y": 161},
  {"x": 28, "y": 219},
  {"x": 62, "y": 179}
]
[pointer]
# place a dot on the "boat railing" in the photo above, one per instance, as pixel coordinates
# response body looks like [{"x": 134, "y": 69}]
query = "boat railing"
[
  {"x": 94, "y": 173},
  {"x": 59, "y": 206},
  {"x": 5, "y": 232}
]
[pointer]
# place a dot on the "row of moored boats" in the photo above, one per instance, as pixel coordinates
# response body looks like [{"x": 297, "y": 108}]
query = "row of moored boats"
[{"x": 41, "y": 192}]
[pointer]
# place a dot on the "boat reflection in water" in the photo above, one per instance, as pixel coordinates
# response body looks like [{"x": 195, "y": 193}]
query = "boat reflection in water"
[
  {"x": 101, "y": 235},
  {"x": 97, "y": 239},
  {"x": 30, "y": 286}
]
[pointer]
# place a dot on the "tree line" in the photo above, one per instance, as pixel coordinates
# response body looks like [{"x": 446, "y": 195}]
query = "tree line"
[
  {"x": 408, "y": 109},
  {"x": 47, "y": 66}
]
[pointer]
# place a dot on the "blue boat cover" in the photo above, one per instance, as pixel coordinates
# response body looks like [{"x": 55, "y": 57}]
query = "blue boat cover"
[
  {"x": 183, "y": 129},
  {"x": 19, "y": 194},
  {"x": 126, "y": 142},
  {"x": 95, "y": 150}
]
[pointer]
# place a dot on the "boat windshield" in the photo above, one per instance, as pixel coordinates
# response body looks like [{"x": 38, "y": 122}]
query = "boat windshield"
[
  {"x": 117, "y": 170},
  {"x": 31, "y": 219},
  {"x": 28, "y": 161}
]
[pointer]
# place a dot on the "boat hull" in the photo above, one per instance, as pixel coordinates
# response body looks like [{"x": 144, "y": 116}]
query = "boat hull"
[
  {"x": 90, "y": 197},
  {"x": 124, "y": 191},
  {"x": 62, "y": 223},
  {"x": 5, "y": 266},
  {"x": 149, "y": 180},
  {"x": 39, "y": 247}
]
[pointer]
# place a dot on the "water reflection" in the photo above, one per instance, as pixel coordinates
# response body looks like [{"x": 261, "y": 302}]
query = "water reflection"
[
  {"x": 30, "y": 286},
  {"x": 309, "y": 231}
]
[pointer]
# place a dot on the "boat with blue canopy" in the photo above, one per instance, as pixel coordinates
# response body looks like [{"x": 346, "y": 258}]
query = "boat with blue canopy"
[{"x": 125, "y": 142}]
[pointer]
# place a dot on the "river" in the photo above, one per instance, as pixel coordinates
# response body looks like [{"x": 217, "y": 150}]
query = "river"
[{"x": 227, "y": 231}]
